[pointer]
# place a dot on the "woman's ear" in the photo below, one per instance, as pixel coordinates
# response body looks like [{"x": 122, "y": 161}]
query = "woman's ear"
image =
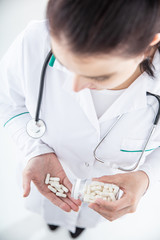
[
  {"x": 155, "y": 40},
  {"x": 150, "y": 50}
]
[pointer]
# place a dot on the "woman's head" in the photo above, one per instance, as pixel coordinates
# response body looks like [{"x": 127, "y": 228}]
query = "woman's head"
[{"x": 98, "y": 38}]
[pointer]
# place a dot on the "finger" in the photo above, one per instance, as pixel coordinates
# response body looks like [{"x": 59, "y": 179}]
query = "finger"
[
  {"x": 57, "y": 201},
  {"x": 109, "y": 215},
  {"x": 26, "y": 183},
  {"x": 52, "y": 197},
  {"x": 73, "y": 206},
  {"x": 115, "y": 179},
  {"x": 117, "y": 205},
  {"x": 68, "y": 202},
  {"x": 68, "y": 184},
  {"x": 78, "y": 202}
]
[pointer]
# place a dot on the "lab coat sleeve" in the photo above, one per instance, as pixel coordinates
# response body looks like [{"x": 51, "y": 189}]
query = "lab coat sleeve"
[
  {"x": 151, "y": 167},
  {"x": 13, "y": 112}
]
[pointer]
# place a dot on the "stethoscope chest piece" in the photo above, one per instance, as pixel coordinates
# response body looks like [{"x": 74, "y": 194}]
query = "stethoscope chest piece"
[{"x": 36, "y": 129}]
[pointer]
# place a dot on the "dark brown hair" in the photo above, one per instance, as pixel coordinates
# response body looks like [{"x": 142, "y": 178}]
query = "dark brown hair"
[{"x": 124, "y": 27}]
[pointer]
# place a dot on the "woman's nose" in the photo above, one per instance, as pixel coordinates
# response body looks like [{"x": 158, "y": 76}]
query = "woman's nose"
[{"x": 80, "y": 83}]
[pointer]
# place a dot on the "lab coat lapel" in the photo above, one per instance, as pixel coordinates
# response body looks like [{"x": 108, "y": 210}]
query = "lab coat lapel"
[
  {"x": 83, "y": 97},
  {"x": 85, "y": 101},
  {"x": 133, "y": 98}
]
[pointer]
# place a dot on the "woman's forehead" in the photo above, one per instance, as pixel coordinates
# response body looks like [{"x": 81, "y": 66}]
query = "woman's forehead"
[{"x": 106, "y": 63}]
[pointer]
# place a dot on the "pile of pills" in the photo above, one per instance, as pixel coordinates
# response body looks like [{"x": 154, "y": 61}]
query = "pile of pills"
[
  {"x": 53, "y": 184},
  {"x": 102, "y": 190}
]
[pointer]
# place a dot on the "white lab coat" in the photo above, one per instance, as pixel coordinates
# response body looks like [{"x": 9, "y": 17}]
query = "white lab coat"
[{"x": 73, "y": 129}]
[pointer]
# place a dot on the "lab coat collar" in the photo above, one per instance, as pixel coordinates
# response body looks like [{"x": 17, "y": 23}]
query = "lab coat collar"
[
  {"x": 133, "y": 98},
  {"x": 85, "y": 101}
]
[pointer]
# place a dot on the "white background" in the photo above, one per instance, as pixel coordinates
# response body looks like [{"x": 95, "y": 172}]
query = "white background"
[{"x": 16, "y": 223}]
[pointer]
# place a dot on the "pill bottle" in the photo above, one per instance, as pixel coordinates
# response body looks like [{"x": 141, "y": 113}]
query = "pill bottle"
[{"x": 87, "y": 190}]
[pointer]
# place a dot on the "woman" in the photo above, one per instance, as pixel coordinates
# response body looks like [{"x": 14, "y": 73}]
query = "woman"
[{"x": 107, "y": 58}]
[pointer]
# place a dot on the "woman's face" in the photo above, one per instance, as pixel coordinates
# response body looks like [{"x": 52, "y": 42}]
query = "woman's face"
[{"x": 97, "y": 72}]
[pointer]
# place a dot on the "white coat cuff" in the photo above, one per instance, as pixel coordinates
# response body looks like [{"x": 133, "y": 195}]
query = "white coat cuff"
[{"x": 30, "y": 147}]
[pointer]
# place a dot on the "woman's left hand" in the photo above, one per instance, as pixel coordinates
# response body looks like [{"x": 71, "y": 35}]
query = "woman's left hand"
[{"x": 133, "y": 184}]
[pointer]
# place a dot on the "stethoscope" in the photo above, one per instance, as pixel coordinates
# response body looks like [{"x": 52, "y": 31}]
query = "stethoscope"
[{"x": 36, "y": 126}]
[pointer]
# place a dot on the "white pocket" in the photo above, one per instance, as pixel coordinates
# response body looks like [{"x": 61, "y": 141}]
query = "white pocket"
[
  {"x": 137, "y": 145},
  {"x": 131, "y": 150}
]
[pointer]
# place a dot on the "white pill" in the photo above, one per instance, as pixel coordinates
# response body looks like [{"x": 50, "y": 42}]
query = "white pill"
[
  {"x": 106, "y": 186},
  {"x": 115, "y": 189},
  {"x": 110, "y": 189},
  {"x": 52, "y": 189},
  {"x": 61, "y": 194},
  {"x": 64, "y": 189},
  {"x": 55, "y": 184},
  {"x": 105, "y": 194},
  {"x": 92, "y": 188},
  {"x": 94, "y": 183},
  {"x": 60, "y": 190},
  {"x": 99, "y": 193},
  {"x": 98, "y": 196},
  {"x": 98, "y": 188},
  {"x": 92, "y": 193},
  {"x": 50, "y": 182},
  {"x": 57, "y": 179},
  {"x": 47, "y": 178},
  {"x": 91, "y": 197},
  {"x": 111, "y": 195}
]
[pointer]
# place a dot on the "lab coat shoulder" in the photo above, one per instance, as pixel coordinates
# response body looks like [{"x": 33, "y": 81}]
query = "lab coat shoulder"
[
  {"x": 154, "y": 82},
  {"x": 36, "y": 27},
  {"x": 36, "y": 40},
  {"x": 28, "y": 46},
  {"x": 22, "y": 56},
  {"x": 151, "y": 166}
]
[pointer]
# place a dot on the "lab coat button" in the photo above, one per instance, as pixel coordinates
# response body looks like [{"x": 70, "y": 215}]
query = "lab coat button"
[{"x": 86, "y": 164}]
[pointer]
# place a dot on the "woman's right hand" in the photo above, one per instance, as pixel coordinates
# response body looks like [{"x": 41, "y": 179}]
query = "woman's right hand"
[{"x": 36, "y": 171}]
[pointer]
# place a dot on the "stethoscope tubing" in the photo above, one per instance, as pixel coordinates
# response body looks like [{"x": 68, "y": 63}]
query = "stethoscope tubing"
[
  {"x": 41, "y": 87},
  {"x": 39, "y": 122},
  {"x": 156, "y": 120},
  {"x": 158, "y": 112}
]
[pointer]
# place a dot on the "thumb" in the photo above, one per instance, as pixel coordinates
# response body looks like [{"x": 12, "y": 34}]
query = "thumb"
[
  {"x": 67, "y": 183},
  {"x": 26, "y": 184},
  {"x": 114, "y": 179}
]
